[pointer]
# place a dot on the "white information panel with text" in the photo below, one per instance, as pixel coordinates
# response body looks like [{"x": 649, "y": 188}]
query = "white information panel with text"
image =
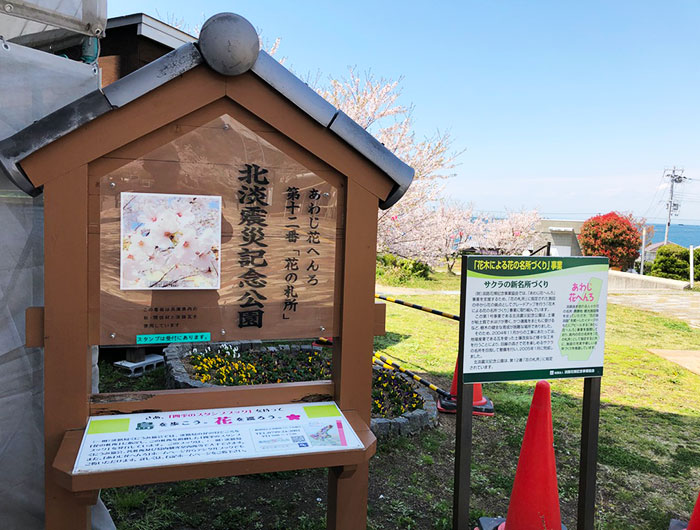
[{"x": 194, "y": 436}]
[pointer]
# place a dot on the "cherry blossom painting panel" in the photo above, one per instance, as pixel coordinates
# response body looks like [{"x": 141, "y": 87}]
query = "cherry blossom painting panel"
[{"x": 170, "y": 241}]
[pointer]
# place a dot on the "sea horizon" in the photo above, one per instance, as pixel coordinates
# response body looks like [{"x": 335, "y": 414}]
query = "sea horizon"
[{"x": 681, "y": 234}]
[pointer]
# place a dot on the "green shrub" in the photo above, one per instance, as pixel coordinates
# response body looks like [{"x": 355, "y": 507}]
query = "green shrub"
[
  {"x": 392, "y": 270},
  {"x": 415, "y": 268},
  {"x": 392, "y": 276},
  {"x": 673, "y": 261},
  {"x": 387, "y": 260},
  {"x": 647, "y": 266}
]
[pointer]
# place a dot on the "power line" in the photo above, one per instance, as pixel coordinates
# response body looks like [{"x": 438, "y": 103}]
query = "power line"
[{"x": 654, "y": 201}]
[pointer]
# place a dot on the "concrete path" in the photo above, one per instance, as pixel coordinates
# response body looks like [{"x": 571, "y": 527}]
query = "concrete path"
[
  {"x": 683, "y": 305},
  {"x": 689, "y": 359}
]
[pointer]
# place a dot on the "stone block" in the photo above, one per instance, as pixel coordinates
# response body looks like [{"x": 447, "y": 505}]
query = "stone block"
[{"x": 402, "y": 426}]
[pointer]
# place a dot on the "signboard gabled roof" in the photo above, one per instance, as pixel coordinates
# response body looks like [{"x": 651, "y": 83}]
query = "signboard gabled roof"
[{"x": 208, "y": 50}]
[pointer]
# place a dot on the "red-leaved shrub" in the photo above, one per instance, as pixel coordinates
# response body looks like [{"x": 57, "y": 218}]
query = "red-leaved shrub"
[{"x": 613, "y": 235}]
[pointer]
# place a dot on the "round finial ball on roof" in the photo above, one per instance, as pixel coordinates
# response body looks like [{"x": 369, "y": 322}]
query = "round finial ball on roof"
[{"x": 229, "y": 44}]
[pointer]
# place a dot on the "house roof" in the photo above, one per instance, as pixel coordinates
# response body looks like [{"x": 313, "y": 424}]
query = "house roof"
[
  {"x": 656, "y": 246},
  {"x": 153, "y": 29},
  {"x": 228, "y": 44}
]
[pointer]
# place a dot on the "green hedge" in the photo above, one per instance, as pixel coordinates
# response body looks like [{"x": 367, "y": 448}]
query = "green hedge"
[
  {"x": 392, "y": 270},
  {"x": 647, "y": 266},
  {"x": 673, "y": 261}
]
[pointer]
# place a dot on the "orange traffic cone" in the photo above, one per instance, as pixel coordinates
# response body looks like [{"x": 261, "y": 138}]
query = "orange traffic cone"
[
  {"x": 481, "y": 405},
  {"x": 693, "y": 524},
  {"x": 534, "y": 502}
]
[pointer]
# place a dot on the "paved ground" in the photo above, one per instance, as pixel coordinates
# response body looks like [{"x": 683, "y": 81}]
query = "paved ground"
[
  {"x": 683, "y": 305},
  {"x": 689, "y": 359}
]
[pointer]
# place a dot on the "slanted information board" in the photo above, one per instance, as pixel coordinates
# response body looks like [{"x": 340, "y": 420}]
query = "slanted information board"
[
  {"x": 534, "y": 317},
  {"x": 128, "y": 441},
  {"x": 525, "y": 318}
]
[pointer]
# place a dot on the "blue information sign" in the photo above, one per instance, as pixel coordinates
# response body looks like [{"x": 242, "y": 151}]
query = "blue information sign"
[{"x": 166, "y": 338}]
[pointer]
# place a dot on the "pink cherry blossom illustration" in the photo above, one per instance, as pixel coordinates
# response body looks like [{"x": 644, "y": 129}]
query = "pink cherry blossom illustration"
[{"x": 170, "y": 241}]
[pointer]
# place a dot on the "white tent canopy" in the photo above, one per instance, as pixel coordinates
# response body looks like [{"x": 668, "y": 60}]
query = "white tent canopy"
[
  {"x": 34, "y": 83},
  {"x": 23, "y": 17}
]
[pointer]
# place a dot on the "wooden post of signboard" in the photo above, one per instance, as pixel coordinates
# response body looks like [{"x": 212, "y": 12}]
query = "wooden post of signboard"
[
  {"x": 66, "y": 349},
  {"x": 463, "y": 457},
  {"x": 347, "y": 492}
]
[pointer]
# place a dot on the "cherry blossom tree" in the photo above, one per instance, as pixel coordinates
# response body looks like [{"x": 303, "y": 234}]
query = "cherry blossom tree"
[
  {"x": 422, "y": 225},
  {"x": 405, "y": 228},
  {"x": 451, "y": 227},
  {"x": 514, "y": 234},
  {"x": 456, "y": 229}
]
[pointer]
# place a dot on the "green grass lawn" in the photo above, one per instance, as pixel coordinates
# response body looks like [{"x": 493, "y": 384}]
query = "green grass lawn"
[
  {"x": 650, "y": 418},
  {"x": 649, "y": 454}
]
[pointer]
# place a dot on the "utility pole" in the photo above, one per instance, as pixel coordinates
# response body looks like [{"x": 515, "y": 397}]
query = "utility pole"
[
  {"x": 676, "y": 176},
  {"x": 644, "y": 246}
]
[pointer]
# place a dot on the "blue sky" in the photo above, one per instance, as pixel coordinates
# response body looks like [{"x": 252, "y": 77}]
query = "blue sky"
[{"x": 573, "y": 108}]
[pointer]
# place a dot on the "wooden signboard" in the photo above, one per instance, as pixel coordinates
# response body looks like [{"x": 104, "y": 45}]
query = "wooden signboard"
[{"x": 284, "y": 214}]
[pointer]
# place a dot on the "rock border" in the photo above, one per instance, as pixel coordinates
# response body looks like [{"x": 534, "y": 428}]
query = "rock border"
[
  {"x": 175, "y": 374},
  {"x": 408, "y": 423}
]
